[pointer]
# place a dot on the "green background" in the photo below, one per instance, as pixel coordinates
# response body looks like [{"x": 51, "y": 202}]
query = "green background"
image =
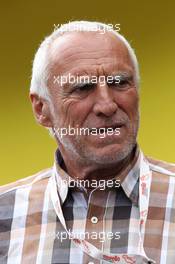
[{"x": 150, "y": 27}]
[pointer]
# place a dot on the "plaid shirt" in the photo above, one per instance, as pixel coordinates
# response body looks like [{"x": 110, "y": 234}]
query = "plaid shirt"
[{"x": 31, "y": 230}]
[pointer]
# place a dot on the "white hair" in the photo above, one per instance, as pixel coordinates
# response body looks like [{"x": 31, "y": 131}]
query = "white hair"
[{"x": 40, "y": 71}]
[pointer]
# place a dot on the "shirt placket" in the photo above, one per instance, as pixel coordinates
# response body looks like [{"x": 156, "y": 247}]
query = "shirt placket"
[{"x": 94, "y": 229}]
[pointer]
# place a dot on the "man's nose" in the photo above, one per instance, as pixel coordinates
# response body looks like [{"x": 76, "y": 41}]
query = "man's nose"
[{"x": 104, "y": 102}]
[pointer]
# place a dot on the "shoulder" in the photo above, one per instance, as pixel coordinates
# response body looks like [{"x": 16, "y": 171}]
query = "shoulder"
[
  {"x": 161, "y": 167},
  {"x": 21, "y": 185}
]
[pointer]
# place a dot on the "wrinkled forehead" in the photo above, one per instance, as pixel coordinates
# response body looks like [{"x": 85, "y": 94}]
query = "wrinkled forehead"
[{"x": 91, "y": 47}]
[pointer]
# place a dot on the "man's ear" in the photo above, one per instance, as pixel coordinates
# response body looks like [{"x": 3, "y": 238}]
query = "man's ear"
[{"x": 41, "y": 110}]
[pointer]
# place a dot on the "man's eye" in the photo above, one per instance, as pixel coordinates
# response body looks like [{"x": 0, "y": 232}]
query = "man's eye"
[
  {"x": 123, "y": 83},
  {"x": 120, "y": 83},
  {"x": 83, "y": 88}
]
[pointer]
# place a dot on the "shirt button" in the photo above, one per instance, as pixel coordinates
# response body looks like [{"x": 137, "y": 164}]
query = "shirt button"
[{"x": 94, "y": 219}]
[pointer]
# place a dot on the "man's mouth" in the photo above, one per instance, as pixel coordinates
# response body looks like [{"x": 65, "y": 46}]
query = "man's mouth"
[{"x": 105, "y": 129}]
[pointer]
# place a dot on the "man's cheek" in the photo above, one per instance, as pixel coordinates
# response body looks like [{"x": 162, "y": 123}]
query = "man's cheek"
[
  {"x": 130, "y": 97},
  {"x": 71, "y": 111}
]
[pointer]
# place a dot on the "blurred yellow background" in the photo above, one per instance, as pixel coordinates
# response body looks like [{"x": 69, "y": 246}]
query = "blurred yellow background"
[{"x": 149, "y": 26}]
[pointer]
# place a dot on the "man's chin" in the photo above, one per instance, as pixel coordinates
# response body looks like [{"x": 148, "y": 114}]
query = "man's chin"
[
  {"x": 105, "y": 139},
  {"x": 109, "y": 154}
]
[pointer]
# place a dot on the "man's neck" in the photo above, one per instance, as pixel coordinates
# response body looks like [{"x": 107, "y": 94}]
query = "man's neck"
[{"x": 98, "y": 172}]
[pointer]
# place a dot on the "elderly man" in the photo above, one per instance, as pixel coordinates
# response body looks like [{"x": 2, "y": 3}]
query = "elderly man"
[{"x": 103, "y": 201}]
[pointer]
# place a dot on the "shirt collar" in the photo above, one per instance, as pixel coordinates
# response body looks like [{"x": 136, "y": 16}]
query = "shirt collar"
[{"x": 130, "y": 184}]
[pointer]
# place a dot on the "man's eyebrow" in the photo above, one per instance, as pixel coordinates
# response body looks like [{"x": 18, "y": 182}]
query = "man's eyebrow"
[
  {"x": 82, "y": 80},
  {"x": 81, "y": 83},
  {"x": 66, "y": 87},
  {"x": 127, "y": 77},
  {"x": 123, "y": 74}
]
